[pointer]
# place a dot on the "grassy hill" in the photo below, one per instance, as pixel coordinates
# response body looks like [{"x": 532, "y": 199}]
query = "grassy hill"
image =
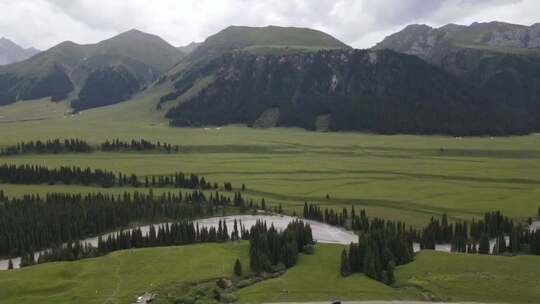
[
  {"x": 120, "y": 276},
  {"x": 257, "y": 40},
  {"x": 317, "y": 278},
  {"x": 458, "y": 277},
  {"x": 98, "y": 74},
  {"x": 243, "y": 37}
]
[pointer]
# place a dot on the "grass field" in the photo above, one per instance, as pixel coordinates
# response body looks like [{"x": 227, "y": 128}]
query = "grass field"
[
  {"x": 120, "y": 276},
  {"x": 433, "y": 276},
  {"x": 478, "y": 278},
  {"x": 401, "y": 177},
  {"x": 317, "y": 278}
]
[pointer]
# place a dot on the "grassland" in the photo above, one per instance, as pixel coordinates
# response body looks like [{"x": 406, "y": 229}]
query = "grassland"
[
  {"x": 317, "y": 278},
  {"x": 433, "y": 276},
  {"x": 118, "y": 277},
  {"x": 478, "y": 278},
  {"x": 401, "y": 177}
]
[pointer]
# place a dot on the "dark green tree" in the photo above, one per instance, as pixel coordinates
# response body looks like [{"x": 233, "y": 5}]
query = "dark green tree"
[
  {"x": 483, "y": 247},
  {"x": 345, "y": 265},
  {"x": 238, "y": 268}
]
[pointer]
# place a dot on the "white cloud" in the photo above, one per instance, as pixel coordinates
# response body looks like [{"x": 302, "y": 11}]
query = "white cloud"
[{"x": 361, "y": 23}]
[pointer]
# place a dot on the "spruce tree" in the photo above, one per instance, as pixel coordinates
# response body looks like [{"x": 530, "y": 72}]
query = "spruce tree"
[
  {"x": 238, "y": 268},
  {"x": 483, "y": 247},
  {"x": 345, "y": 265},
  {"x": 390, "y": 278}
]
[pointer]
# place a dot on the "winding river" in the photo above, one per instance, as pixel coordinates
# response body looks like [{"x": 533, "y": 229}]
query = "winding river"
[{"x": 322, "y": 233}]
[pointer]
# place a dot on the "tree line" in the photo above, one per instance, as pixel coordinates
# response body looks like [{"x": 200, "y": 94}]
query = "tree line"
[
  {"x": 51, "y": 146},
  {"x": 76, "y": 145},
  {"x": 183, "y": 232},
  {"x": 35, "y": 222},
  {"x": 465, "y": 237},
  {"x": 474, "y": 237},
  {"x": 118, "y": 145},
  {"x": 36, "y": 175}
]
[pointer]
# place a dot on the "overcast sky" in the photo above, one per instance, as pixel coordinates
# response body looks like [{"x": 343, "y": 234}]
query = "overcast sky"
[{"x": 360, "y": 23}]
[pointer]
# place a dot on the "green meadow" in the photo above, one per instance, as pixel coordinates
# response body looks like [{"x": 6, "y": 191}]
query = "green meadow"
[
  {"x": 120, "y": 276},
  {"x": 402, "y": 177}
]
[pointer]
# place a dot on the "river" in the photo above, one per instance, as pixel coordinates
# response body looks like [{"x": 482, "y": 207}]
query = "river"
[{"x": 322, "y": 233}]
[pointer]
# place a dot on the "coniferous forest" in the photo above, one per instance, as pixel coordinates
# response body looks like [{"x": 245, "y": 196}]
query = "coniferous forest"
[
  {"x": 271, "y": 250},
  {"x": 33, "y": 223}
]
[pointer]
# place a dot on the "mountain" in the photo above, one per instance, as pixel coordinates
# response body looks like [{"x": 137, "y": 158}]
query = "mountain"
[
  {"x": 187, "y": 49},
  {"x": 10, "y": 52},
  {"x": 499, "y": 59},
  {"x": 263, "y": 40},
  {"x": 97, "y": 74},
  {"x": 381, "y": 91},
  {"x": 441, "y": 45},
  {"x": 254, "y": 40}
]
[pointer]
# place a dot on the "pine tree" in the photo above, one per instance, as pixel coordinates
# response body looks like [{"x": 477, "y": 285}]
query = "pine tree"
[
  {"x": 238, "y": 268},
  {"x": 390, "y": 278},
  {"x": 345, "y": 265},
  {"x": 371, "y": 269},
  {"x": 483, "y": 247}
]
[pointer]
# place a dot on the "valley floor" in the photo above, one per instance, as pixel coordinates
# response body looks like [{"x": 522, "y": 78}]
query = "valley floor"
[
  {"x": 410, "y": 178},
  {"x": 406, "y": 178}
]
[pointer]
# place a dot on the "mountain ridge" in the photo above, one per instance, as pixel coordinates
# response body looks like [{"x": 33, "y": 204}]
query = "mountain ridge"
[
  {"x": 240, "y": 37},
  {"x": 501, "y": 60},
  {"x": 66, "y": 67},
  {"x": 10, "y": 52}
]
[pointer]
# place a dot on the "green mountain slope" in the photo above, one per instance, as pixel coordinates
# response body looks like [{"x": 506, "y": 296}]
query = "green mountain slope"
[
  {"x": 119, "y": 67},
  {"x": 379, "y": 91},
  {"x": 260, "y": 40},
  {"x": 243, "y": 37}
]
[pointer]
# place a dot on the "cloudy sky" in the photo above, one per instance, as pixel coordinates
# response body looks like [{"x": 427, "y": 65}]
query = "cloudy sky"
[{"x": 360, "y": 23}]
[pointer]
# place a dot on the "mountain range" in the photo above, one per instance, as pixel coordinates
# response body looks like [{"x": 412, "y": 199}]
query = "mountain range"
[
  {"x": 92, "y": 75},
  {"x": 460, "y": 80},
  {"x": 10, "y": 52}
]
